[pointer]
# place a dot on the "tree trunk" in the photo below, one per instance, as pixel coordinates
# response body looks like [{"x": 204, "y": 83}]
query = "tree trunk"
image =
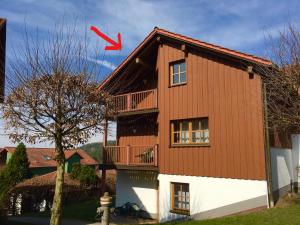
[{"x": 57, "y": 200}]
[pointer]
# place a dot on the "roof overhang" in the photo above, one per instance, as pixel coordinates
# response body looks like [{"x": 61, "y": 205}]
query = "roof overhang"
[{"x": 184, "y": 40}]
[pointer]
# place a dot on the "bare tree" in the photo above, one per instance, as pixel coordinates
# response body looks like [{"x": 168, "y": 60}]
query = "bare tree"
[
  {"x": 282, "y": 81},
  {"x": 52, "y": 97}
]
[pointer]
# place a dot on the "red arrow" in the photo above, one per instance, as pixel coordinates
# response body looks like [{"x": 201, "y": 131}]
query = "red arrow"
[{"x": 114, "y": 45}]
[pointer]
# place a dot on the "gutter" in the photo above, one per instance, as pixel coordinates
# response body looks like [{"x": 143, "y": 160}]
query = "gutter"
[{"x": 267, "y": 149}]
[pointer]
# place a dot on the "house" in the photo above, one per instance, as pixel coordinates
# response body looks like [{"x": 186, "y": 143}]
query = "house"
[
  {"x": 191, "y": 137},
  {"x": 42, "y": 160},
  {"x": 2, "y": 56}
]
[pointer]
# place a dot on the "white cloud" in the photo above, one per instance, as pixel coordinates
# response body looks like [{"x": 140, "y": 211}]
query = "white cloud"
[{"x": 104, "y": 63}]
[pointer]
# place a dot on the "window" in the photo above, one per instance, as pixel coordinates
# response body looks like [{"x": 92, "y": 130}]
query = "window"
[
  {"x": 194, "y": 131},
  {"x": 178, "y": 73},
  {"x": 180, "y": 197}
]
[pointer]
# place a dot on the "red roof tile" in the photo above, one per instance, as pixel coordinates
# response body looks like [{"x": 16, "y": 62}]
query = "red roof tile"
[
  {"x": 185, "y": 39},
  {"x": 45, "y": 157},
  {"x": 48, "y": 179}
]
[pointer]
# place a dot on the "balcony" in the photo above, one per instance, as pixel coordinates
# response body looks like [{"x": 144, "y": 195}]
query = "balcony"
[
  {"x": 136, "y": 102},
  {"x": 131, "y": 156}
]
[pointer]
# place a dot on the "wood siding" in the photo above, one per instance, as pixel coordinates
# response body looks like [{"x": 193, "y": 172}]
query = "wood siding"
[
  {"x": 137, "y": 130},
  {"x": 224, "y": 93}
]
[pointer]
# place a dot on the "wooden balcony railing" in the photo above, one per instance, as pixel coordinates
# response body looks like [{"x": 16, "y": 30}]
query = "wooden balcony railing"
[
  {"x": 136, "y": 101},
  {"x": 131, "y": 155}
]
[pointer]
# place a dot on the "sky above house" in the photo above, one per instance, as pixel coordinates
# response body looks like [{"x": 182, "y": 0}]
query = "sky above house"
[{"x": 240, "y": 25}]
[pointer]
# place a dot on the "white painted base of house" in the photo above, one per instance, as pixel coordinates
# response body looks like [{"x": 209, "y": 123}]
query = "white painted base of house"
[
  {"x": 137, "y": 187},
  {"x": 210, "y": 196}
]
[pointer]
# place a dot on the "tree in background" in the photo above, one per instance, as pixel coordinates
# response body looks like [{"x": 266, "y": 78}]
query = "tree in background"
[
  {"x": 282, "y": 81},
  {"x": 53, "y": 97},
  {"x": 13, "y": 173}
]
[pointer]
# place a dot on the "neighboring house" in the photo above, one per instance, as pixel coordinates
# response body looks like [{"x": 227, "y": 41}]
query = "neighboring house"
[
  {"x": 2, "y": 57},
  {"x": 42, "y": 160},
  {"x": 190, "y": 129}
]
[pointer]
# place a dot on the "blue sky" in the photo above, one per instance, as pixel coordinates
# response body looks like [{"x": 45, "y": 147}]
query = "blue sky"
[{"x": 241, "y": 25}]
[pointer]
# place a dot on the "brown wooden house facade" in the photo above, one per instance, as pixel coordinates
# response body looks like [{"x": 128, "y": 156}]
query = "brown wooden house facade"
[{"x": 190, "y": 128}]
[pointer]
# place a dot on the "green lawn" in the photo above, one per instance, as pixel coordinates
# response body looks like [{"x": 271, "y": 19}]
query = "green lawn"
[
  {"x": 82, "y": 211},
  {"x": 289, "y": 215}
]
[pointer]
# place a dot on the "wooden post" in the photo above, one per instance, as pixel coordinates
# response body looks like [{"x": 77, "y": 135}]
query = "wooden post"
[
  {"x": 103, "y": 181},
  {"x": 128, "y": 101},
  {"x": 105, "y": 133},
  {"x": 103, "y": 174},
  {"x": 156, "y": 155},
  {"x": 128, "y": 154},
  {"x": 267, "y": 149},
  {"x": 155, "y": 98}
]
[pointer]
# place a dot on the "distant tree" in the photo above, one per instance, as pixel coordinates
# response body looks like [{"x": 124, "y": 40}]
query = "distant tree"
[
  {"x": 282, "y": 80},
  {"x": 53, "y": 97},
  {"x": 14, "y": 172}
]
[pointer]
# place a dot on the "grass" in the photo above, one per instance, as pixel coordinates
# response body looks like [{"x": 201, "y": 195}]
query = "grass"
[
  {"x": 278, "y": 216},
  {"x": 85, "y": 211},
  {"x": 287, "y": 212}
]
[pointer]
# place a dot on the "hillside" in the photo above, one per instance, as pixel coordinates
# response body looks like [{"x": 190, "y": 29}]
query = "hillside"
[{"x": 95, "y": 149}]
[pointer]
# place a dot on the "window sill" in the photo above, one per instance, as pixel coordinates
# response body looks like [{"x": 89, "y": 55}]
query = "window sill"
[
  {"x": 175, "y": 85},
  {"x": 189, "y": 145},
  {"x": 181, "y": 212}
]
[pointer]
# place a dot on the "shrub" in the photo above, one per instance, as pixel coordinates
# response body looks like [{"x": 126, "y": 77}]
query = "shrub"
[
  {"x": 85, "y": 174},
  {"x": 76, "y": 168}
]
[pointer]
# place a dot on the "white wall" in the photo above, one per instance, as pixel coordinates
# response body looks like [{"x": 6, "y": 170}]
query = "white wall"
[
  {"x": 296, "y": 156},
  {"x": 282, "y": 168},
  {"x": 208, "y": 193},
  {"x": 137, "y": 187}
]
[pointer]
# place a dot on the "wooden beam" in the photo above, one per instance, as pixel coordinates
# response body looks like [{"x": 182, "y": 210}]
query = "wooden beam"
[
  {"x": 143, "y": 63},
  {"x": 184, "y": 49},
  {"x": 158, "y": 39},
  {"x": 250, "y": 72}
]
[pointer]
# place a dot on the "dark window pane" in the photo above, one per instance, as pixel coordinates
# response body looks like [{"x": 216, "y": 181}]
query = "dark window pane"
[
  {"x": 176, "y": 78},
  {"x": 195, "y": 125},
  {"x": 176, "y": 138},
  {"x": 185, "y": 126},
  {"x": 204, "y": 124},
  {"x": 176, "y": 126},
  {"x": 182, "y": 77},
  {"x": 185, "y": 187},
  {"x": 176, "y": 189},
  {"x": 175, "y": 68},
  {"x": 182, "y": 67}
]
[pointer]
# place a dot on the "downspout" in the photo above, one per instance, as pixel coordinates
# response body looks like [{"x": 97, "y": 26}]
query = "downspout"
[{"x": 267, "y": 149}]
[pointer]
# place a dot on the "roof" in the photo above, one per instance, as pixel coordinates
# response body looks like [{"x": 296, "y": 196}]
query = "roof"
[
  {"x": 2, "y": 22},
  {"x": 44, "y": 157},
  {"x": 187, "y": 40},
  {"x": 48, "y": 179}
]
